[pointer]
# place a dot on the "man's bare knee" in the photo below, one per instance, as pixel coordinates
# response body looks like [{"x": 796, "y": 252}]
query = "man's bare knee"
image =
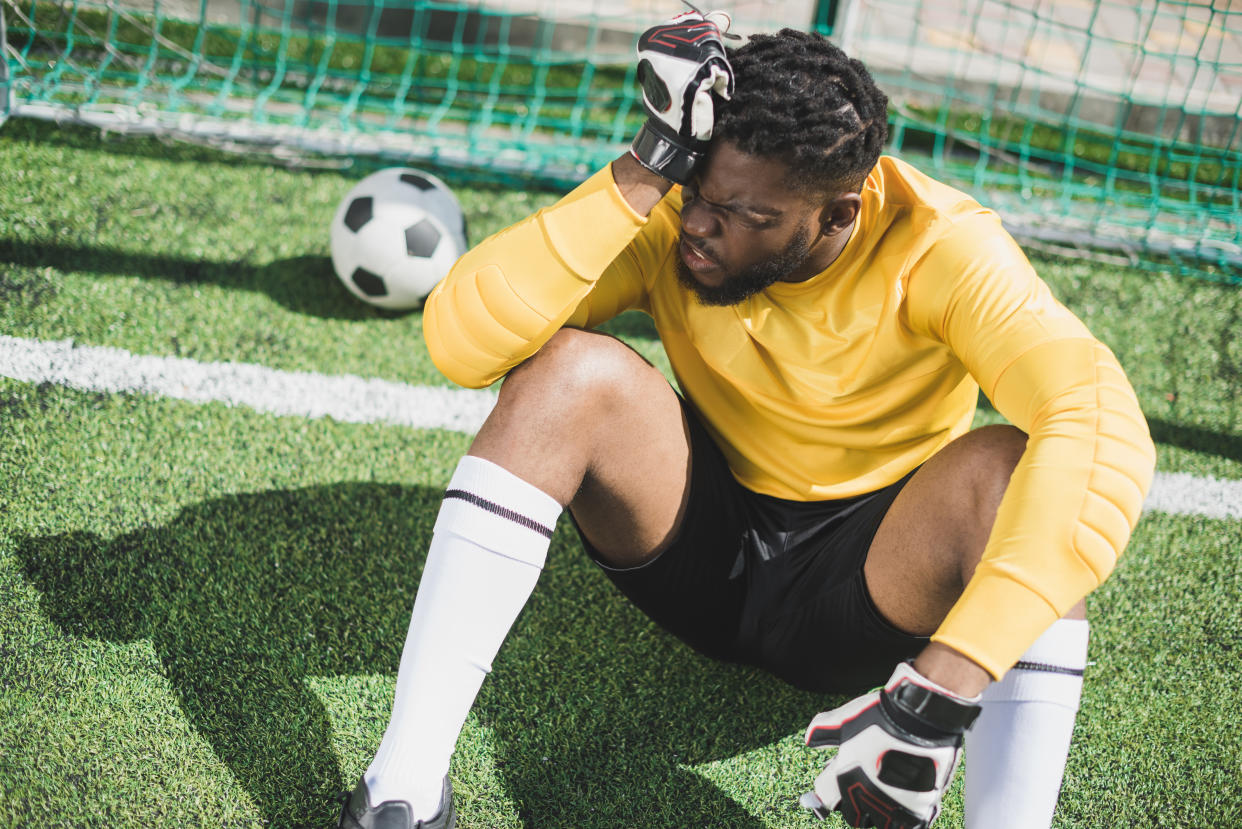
[
  {"x": 1003, "y": 442},
  {"x": 549, "y": 422},
  {"x": 583, "y": 368}
]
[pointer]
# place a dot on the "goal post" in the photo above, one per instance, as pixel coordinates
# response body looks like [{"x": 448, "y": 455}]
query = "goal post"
[
  {"x": 6, "y": 87},
  {"x": 1101, "y": 127}
]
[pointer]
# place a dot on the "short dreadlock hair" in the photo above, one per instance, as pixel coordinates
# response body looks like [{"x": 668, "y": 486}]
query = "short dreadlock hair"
[{"x": 801, "y": 100}]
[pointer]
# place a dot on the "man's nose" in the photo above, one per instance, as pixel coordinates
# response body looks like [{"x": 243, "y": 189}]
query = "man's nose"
[{"x": 698, "y": 219}]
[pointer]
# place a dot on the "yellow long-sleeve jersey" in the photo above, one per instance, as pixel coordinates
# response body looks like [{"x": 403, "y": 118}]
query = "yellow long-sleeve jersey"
[{"x": 842, "y": 384}]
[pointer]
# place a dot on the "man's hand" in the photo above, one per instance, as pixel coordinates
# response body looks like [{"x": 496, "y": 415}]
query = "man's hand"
[
  {"x": 680, "y": 64},
  {"x": 899, "y": 747}
]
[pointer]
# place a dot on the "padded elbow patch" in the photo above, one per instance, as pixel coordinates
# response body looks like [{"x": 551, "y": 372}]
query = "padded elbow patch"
[
  {"x": 506, "y": 297},
  {"x": 486, "y": 328}
]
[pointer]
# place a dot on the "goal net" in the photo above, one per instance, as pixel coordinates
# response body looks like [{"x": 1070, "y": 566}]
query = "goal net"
[{"x": 1107, "y": 129}]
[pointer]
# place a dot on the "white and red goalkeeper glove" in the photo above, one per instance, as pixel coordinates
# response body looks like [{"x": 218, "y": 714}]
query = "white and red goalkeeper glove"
[
  {"x": 899, "y": 747},
  {"x": 681, "y": 63}
]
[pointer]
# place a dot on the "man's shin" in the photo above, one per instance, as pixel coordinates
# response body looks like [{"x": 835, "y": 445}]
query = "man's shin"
[{"x": 1016, "y": 752}]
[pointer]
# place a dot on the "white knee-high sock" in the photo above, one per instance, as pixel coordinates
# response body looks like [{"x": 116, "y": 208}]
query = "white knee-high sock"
[
  {"x": 1016, "y": 751},
  {"x": 488, "y": 547}
]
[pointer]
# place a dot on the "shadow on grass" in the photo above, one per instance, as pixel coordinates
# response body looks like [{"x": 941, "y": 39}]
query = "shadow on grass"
[
  {"x": 303, "y": 284},
  {"x": 594, "y": 712},
  {"x": 1219, "y": 442},
  {"x": 1196, "y": 438}
]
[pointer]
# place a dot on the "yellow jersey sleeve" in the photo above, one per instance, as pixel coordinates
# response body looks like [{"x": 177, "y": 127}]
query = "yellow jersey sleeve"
[
  {"x": 575, "y": 262},
  {"x": 1078, "y": 490}
]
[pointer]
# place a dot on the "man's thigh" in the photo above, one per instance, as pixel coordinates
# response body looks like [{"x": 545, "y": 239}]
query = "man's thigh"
[
  {"x": 694, "y": 586},
  {"x": 593, "y": 424}
]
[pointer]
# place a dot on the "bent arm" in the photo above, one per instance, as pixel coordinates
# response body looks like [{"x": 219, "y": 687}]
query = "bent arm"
[
  {"x": 1072, "y": 501},
  {"x": 506, "y": 297},
  {"x": 1078, "y": 490}
]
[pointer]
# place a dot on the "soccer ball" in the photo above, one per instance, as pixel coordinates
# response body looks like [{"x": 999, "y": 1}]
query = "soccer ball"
[{"x": 395, "y": 235}]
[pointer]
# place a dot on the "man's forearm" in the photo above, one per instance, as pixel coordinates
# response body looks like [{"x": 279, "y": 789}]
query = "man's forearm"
[
  {"x": 951, "y": 669},
  {"x": 641, "y": 188}
]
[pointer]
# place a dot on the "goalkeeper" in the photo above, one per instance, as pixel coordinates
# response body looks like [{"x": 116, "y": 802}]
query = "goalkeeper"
[{"x": 816, "y": 504}]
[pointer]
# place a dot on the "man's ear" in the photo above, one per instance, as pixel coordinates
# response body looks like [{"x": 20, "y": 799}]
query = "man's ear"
[{"x": 839, "y": 213}]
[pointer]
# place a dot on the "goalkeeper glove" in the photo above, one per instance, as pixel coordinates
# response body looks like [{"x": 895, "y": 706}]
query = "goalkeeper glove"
[
  {"x": 681, "y": 63},
  {"x": 899, "y": 747}
]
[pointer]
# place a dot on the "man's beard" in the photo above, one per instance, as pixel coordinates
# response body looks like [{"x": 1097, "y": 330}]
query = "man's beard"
[{"x": 740, "y": 285}]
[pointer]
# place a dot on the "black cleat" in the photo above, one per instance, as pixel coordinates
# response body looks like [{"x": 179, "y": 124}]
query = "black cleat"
[{"x": 358, "y": 813}]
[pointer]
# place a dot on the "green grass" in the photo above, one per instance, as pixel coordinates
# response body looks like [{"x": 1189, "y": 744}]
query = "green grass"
[{"x": 202, "y": 608}]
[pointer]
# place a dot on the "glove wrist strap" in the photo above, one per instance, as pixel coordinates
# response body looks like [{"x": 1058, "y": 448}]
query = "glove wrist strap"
[
  {"x": 663, "y": 156},
  {"x": 931, "y": 708}
]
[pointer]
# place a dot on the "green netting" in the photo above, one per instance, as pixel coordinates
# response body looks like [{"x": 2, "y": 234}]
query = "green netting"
[
  {"x": 450, "y": 83},
  {"x": 1105, "y": 128},
  {"x": 1113, "y": 125}
]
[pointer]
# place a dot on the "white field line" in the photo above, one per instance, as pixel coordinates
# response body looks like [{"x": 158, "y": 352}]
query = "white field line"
[
  {"x": 305, "y": 394},
  {"x": 361, "y": 400}
]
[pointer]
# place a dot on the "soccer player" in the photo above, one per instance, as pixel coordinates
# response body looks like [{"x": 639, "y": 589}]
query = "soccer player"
[{"x": 816, "y": 504}]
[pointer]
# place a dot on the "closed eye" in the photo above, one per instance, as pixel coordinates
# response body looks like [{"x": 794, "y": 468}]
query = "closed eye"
[{"x": 753, "y": 221}]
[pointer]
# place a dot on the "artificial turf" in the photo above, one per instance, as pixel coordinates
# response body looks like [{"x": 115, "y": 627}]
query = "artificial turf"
[{"x": 202, "y": 607}]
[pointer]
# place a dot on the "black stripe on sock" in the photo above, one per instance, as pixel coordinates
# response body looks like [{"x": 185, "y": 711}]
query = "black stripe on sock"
[
  {"x": 497, "y": 509},
  {"x": 1048, "y": 669}
]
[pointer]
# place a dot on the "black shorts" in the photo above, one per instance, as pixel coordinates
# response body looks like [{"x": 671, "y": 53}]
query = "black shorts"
[{"x": 770, "y": 582}]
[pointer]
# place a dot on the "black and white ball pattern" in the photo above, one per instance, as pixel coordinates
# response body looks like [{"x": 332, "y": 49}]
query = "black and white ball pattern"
[{"x": 395, "y": 235}]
